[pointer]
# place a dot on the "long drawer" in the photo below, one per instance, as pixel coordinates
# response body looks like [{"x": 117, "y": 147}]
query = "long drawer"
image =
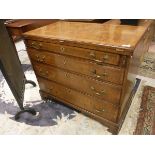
[
  {"x": 96, "y": 56},
  {"x": 102, "y": 90},
  {"x": 108, "y": 111},
  {"x": 100, "y": 72}
]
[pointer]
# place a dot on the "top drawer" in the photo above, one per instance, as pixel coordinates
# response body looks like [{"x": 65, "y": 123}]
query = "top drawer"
[{"x": 97, "y": 56}]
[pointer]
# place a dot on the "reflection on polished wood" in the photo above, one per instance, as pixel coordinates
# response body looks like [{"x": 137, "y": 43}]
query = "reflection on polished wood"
[
  {"x": 100, "y": 34},
  {"x": 89, "y": 66}
]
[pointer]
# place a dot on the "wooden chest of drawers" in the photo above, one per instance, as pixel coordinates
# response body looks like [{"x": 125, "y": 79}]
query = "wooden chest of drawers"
[{"x": 90, "y": 67}]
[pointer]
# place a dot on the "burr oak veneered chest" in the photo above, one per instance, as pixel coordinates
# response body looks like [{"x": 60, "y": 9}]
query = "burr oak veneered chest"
[{"x": 88, "y": 66}]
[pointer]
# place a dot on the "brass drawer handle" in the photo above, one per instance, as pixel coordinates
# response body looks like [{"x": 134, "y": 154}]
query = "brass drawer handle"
[
  {"x": 62, "y": 49},
  {"x": 37, "y": 57},
  {"x": 51, "y": 89},
  {"x": 100, "y": 110},
  {"x": 93, "y": 56},
  {"x": 99, "y": 75},
  {"x": 106, "y": 57},
  {"x": 42, "y": 59},
  {"x": 43, "y": 73},
  {"x": 96, "y": 92},
  {"x": 67, "y": 75},
  {"x": 68, "y": 90},
  {"x": 36, "y": 45},
  {"x": 65, "y": 61},
  {"x": 97, "y": 61}
]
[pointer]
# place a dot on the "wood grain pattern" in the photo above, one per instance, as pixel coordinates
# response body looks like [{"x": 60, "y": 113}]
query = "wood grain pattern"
[
  {"x": 96, "y": 56},
  {"x": 98, "y": 89},
  {"x": 112, "y": 126},
  {"x": 91, "y": 33},
  {"x": 69, "y": 61},
  {"x": 93, "y": 105},
  {"x": 101, "y": 72}
]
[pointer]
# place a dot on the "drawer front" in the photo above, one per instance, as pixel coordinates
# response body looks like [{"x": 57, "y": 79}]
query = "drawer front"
[
  {"x": 77, "y": 99},
  {"x": 96, "y": 56},
  {"x": 100, "y": 72},
  {"x": 92, "y": 87},
  {"x": 100, "y": 109}
]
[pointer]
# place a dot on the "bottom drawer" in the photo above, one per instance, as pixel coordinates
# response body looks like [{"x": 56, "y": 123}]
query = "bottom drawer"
[{"x": 97, "y": 106}]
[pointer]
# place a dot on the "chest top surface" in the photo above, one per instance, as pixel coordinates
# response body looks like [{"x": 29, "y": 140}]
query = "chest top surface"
[{"x": 90, "y": 33}]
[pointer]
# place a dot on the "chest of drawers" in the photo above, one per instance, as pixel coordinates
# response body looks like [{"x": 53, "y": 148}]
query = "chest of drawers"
[{"x": 90, "y": 67}]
